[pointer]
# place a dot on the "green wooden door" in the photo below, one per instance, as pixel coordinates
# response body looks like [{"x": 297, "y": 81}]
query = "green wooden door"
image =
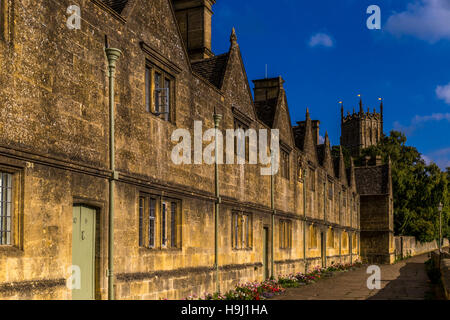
[
  {"x": 83, "y": 252},
  {"x": 266, "y": 253}
]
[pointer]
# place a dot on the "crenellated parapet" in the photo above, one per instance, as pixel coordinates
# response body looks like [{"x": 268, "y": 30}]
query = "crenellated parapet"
[{"x": 361, "y": 129}]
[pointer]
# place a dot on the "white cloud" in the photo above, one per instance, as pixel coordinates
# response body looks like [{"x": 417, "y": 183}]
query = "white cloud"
[
  {"x": 426, "y": 159},
  {"x": 441, "y": 157},
  {"x": 321, "y": 140},
  {"x": 443, "y": 92},
  {"x": 428, "y": 20},
  {"x": 417, "y": 121},
  {"x": 321, "y": 39}
]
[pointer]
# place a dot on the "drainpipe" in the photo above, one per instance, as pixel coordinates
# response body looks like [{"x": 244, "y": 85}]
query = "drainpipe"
[
  {"x": 325, "y": 203},
  {"x": 113, "y": 55},
  {"x": 217, "y": 118},
  {"x": 351, "y": 238},
  {"x": 340, "y": 224},
  {"x": 305, "y": 174},
  {"x": 272, "y": 207}
]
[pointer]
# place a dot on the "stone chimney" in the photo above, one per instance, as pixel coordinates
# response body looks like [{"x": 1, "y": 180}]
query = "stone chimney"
[
  {"x": 194, "y": 18},
  {"x": 266, "y": 89},
  {"x": 315, "y": 124}
]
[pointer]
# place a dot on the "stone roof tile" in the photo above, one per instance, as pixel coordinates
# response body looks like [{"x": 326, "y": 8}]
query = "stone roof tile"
[
  {"x": 266, "y": 110},
  {"x": 212, "y": 69},
  {"x": 116, "y": 5}
]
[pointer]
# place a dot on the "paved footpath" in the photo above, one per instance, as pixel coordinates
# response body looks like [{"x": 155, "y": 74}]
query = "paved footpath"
[{"x": 404, "y": 280}]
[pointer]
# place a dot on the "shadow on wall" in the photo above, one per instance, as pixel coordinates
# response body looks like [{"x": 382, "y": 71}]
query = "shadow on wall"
[{"x": 411, "y": 284}]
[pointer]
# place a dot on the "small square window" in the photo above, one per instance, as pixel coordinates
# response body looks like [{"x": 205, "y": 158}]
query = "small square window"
[{"x": 159, "y": 218}]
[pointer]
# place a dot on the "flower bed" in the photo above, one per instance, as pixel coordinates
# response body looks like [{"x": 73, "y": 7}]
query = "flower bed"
[
  {"x": 269, "y": 288},
  {"x": 247, "y": 291}
]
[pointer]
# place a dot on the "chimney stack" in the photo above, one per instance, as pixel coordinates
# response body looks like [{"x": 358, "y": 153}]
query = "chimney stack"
[
  {"x": 266, "y": 89},
  {"x": 194, "y": 19},
  {"x": 315, "y": 130}
]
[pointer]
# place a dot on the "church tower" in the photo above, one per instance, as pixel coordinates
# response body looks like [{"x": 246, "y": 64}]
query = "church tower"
[{"x": 361, "y": 129}]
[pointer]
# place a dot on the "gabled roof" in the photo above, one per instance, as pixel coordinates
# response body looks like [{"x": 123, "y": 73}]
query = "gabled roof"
[
  {"x": 299, "y": 134},
  {"x": 265, "y": 111},
  {"x": 372, "y": 180},
  {"x": 116, "y": 5},
  {"x": 212, "y": 69},
  {"x": 321, "y": 153},
  {"x": 324, "y": 156},
  {"x": 337, "y": 167}
]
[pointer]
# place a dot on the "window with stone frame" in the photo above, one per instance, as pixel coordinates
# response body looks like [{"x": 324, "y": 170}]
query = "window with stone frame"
[
  {"x": 4, "y": 20},
  {"x": 345, "y": 240},
  {"x": 241, "y": 230},
  {"x": 300, "y": 170},
  {"x": 159, "y": 222},
  {"x": 6, "y": 208},
  {"x": 330, "y": 190},
  {"x": 312, "y": 179},
  {"x": 241, "y": 143},
  {"x": 354, "y": 242},
  {"x": 285, "y": 232},
  {"x": 284, "y": 164},
  {"x": 330, "y": 238},
  {"x": 313, "y": 237},
  {"x": 11, "y": 212},
  {"x": 351, "y": 204},
  {"x": 159, "y": 92},
  {"x": 344, "y": 198}
]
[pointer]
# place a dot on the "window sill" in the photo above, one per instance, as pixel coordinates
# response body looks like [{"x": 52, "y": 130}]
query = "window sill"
[
  {"x": 160, "y": 119},
  {"x": 158, "y": 250},
  {"x": 242, "y": 249},
  {"x": 10, "y": 250}
]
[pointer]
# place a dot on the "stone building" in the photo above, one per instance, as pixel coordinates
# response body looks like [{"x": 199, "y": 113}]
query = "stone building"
[
  {"x": 55, "y": 165},
  {"x": 374, "y": 185},
  {"x": 361, "y": 130}
]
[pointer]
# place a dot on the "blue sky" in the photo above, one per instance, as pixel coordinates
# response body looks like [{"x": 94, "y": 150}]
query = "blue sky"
[{"x": 326, "y": 54}]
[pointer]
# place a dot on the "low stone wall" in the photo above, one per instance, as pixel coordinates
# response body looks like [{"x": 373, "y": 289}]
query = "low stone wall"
[
  {"x": 181, "y": 284},
  {"x": 410, "y": 247},
  {"x": 445, "y": 273}
]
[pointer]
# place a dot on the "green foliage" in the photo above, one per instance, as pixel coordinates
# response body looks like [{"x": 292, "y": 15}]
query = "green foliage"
[
  {"x": 418, "y": 188},
  {"x": 347, "y": 156}
]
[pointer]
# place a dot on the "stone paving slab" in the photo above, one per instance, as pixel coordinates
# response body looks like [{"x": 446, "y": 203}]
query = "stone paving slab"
[{"x": 405, "y": 280}]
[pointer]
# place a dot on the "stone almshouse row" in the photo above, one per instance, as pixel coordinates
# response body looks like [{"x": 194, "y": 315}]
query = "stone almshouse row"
[{"x": 54, "y": 161}]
